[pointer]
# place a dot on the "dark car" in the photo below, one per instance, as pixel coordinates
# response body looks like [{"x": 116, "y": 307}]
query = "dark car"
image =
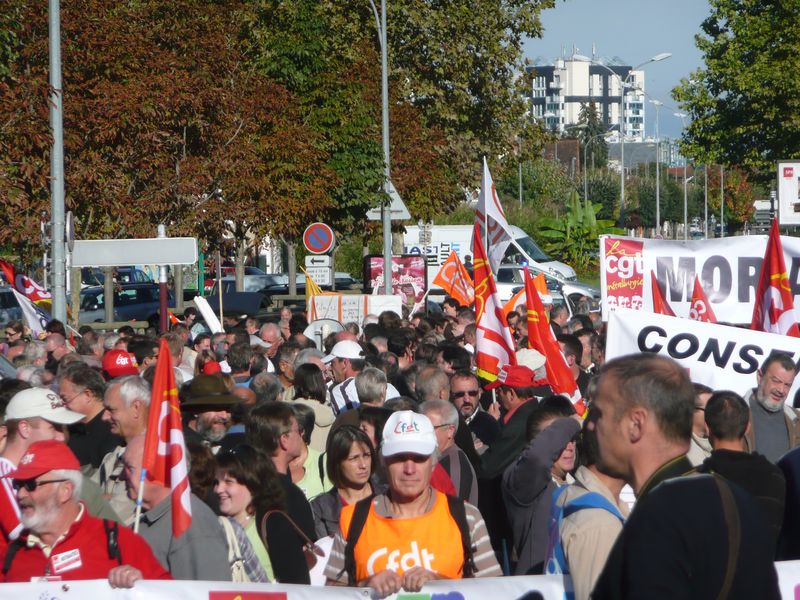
[
  {"x": 132, "y": 302},
  {"x": 9, "y": 307},
  {"x": 93, "y": 276}
]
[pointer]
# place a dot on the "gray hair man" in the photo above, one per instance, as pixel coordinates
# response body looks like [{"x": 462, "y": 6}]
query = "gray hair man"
[{"x": 371, "y": 386}]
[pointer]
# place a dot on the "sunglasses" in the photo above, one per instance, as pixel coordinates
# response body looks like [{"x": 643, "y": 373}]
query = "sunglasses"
[
  {"x": 31, "y": 484},
  {"x": 11, "y": 332},
  {"x": 470, "y": 393}
]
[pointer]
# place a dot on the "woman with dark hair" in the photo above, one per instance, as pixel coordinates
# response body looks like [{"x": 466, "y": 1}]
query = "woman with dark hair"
[
  {"x": 310, "y": 389},
  {"x": 248, "y": 487},
  {"x": 15, "y": 330},
  {"x": 371, "y": 421},
  {"x": 351, "y": 462}
]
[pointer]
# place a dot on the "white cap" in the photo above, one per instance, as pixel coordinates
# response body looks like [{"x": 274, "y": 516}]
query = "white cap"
[
  {"x": 42, "y": 403},
  {"x": 345, "y": 349},
  {"x": 408, "y": 432}
]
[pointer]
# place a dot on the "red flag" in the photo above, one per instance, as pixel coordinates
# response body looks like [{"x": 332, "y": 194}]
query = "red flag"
[
  {"x": 165, "y": 455},
  {"x": 700, "y": 309},
  {"x": 774, "y": 308},
  {"x": 454, "y": 279},
  {"x": 660, "y": 305},
  {"x": 24, "y": 284},
  {"x": 541, "y": 338},
  {"x": 494, "y": 346}
]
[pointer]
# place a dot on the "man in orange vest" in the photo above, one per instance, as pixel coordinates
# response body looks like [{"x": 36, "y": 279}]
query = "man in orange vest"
[{"x": 404, "y": 538}]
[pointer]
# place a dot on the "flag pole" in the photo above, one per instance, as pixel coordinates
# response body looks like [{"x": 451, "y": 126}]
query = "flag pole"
[{"x": 138, "y": 514}]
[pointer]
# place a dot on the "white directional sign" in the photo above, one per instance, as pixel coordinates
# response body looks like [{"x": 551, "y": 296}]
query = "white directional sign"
[
  {"x": 397, "y": 208},
  {"x": 318, "y": 260},
  {"x": 320, "y": 275},
  {"x": 140, "y": 251}
]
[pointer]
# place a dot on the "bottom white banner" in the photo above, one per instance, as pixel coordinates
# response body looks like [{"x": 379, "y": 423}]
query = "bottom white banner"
[
  {"x": 542, "y": 587},
  {"x": 720, "y": 356}
]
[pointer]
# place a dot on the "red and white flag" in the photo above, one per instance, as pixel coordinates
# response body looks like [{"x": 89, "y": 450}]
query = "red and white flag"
[
  {"x": 774, "y": 308},
  {"x": 165, "y": 455},
  {"x": 541, "y": 338},
  {"x": 660, "y": 304},
  {"x": 494, "y": 346},
  {"x": 454, "y": 279},
  {"x": 24, "y": 284},
  {"x": 700, "y": 308},
  {"x": 489, "y": 213}
]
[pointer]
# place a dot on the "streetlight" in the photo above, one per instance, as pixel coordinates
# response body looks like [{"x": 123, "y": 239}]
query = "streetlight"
[
  {"x": 686, "y": 181},
  {"x": 658, "y": 104},
  {"x": 623, "y": 84},
  {"x": 386, "y": 215}
]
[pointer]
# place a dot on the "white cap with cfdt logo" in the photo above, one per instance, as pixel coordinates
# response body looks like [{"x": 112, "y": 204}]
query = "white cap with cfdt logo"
[
  {"x": 42, "y": 403},
  {"x": 408, "y": 432}
]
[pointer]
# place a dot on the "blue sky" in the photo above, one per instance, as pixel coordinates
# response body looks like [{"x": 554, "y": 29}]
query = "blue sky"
[{"x": 633, "y": 30}]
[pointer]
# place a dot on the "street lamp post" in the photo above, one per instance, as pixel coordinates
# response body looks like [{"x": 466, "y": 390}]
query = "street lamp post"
[
  {"x": 623, "y": 84},
  {"x": 386, "y": 216},
  {"x": 585, "y": 155},
  {"x": 686, "y": 181},
  {"x": 658, "y": 104}
]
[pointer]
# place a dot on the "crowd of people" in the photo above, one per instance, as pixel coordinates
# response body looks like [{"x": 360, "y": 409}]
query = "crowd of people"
[{"x": 370, "y": 455}]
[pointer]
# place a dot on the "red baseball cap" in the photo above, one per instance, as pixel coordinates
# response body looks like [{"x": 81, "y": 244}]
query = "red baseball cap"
[
  {"x": 43, "y": 457},
  {"x": 515, "y": 376},
  {"x": 118, "y": 363},
  {"x": 211, "y": 367}
]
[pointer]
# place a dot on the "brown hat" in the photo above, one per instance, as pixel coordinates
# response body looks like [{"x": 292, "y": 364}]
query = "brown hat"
[{"x": 208, "y": 393}]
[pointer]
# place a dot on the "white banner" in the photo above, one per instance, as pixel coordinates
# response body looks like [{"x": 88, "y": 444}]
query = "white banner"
[
  {"x": 347, "y": 308},
  {"x": 549, "y": 587},
  {"x": 719, "y": 356},
  {"x": 35, "y": 317},
  {"x": 544, "y": 587},
  {"x": 728, "y": 269}
]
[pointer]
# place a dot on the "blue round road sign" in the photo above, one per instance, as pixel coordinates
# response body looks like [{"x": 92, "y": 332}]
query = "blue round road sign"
[{"x": 318, "y": 238}]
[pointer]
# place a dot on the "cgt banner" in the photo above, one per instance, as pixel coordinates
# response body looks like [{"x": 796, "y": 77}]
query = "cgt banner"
[
  {"x": 728, "y": 269},
  {"x": 719, "y": 356}
]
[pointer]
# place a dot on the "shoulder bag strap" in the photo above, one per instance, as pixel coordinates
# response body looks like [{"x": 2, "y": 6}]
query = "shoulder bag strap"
[
  {"x": 360, "y": 514},
  {"x": 459, "y": 514},
  {"x": 732, "y": 520}
]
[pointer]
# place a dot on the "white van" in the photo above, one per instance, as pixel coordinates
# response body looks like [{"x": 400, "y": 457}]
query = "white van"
[{"x": 437, "y": 241}]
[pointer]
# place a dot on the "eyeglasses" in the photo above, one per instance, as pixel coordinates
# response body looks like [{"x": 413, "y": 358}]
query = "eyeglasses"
[
  {"x": 470, "y": 393},
  {"x": 443, "y": 425},
  {"x": 700, "y": 408},
  {"x": 11, "y": 332},
  {"x": 31, "y": 484},
  {"x": 68, "y": 400}
]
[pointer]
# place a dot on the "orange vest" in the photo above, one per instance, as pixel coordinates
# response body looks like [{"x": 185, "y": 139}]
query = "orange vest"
[{"x": 431, "y": 541}]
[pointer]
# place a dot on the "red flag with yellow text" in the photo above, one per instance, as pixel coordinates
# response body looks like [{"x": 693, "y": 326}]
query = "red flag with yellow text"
[
  {"x": 454, "y": 279},
  {"x": 494, "y": 346},
  {"x": 541, "y": 338},
  {"x": 774, "y": 308},
  {"x": 165, "y": 455}
]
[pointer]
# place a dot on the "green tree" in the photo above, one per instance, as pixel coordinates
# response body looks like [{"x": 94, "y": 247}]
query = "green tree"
[
  {"x": 744, "y": 105},
  {"x": 591, "y": 136}
]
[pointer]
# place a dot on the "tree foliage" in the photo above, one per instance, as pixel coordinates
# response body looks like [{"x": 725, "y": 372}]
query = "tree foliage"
[
  {"x": 160, "y": 106},
  {"x": 591, "y": 135},
  {"x": 744, "y": 105}
]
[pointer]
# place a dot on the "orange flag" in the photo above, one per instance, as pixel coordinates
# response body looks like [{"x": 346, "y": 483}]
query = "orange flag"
[
  {"x": 541, "y": 338},
  {"x": 660, "y": 305},
  {"x": 165, "y": 455},
  {"x": 774, "y": 308},
  {"x": 454, "y": 279},
  {"x": 494, "y": 346},
  {"x": 700, "y": 309},
  {"x": 515, "y": 301}
]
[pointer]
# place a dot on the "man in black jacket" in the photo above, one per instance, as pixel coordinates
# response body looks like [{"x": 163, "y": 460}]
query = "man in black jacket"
[
  {"x": 687, "y": 537},
  {"x": 728, "y": 419}
]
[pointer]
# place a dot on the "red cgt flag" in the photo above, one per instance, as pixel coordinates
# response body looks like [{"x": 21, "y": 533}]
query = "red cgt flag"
[
  {"x": 700, "y": 308},
  {"x": 540, "y": 338},
  {"x": 454, "y": 279},
  {"x": 494, "y": 346},
  {"x": 660, "y": 305},
  {"x": 165, "y": 455},
  {"x": 774, "y": 308}
]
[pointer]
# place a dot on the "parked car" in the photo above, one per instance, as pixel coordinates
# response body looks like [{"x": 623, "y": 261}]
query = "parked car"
[
  {"x": 132, "y": 302},
  {"x": 254, "y": 279},
  {"x": 9, "y": 307},
  {"x": 510, "y": 280},
  {"x": 94, "y": 276}
]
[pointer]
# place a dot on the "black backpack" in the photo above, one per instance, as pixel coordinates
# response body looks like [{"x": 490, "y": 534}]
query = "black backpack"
[{"x": 360, "y": 513}]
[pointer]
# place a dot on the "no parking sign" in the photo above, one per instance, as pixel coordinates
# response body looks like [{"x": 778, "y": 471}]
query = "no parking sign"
[{"x": 318, "y": 238}]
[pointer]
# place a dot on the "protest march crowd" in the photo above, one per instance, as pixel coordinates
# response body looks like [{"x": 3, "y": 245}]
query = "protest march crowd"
[{"x": 388, "y": 446}]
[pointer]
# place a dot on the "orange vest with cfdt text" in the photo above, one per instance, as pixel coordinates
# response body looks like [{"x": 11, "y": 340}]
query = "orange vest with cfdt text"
[{"x": 431, "y": 541}]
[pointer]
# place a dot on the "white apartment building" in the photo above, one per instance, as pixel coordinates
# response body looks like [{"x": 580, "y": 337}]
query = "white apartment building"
[{"x": 560, "y": 90}]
